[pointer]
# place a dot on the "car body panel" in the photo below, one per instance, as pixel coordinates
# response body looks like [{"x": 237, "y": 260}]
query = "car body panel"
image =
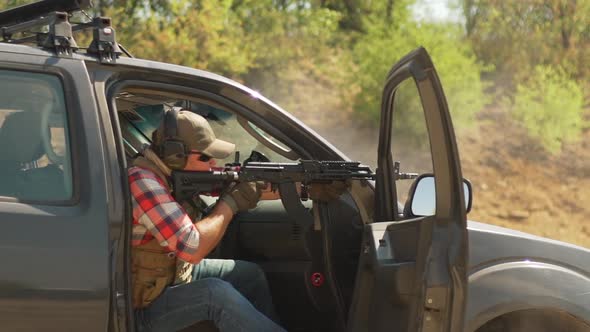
[
  {"x": 55, "y": 257},
  {"x": 512, "y": 270},
  {"x": 420, "y": 284}
]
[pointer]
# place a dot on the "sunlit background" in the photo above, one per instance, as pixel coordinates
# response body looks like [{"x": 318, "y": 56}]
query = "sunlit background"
[{"x": 515, "y": 73}]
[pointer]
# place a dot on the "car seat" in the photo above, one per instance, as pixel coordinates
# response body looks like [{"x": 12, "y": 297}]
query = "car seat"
[{"x": 21, "y": 142}]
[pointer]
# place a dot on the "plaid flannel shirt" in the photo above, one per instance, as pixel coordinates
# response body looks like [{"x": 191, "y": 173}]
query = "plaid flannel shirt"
[{"x": 157, "y": 215}]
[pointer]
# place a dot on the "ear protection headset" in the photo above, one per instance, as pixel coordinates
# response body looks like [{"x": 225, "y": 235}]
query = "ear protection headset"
[{"x": 173, "y": 151}]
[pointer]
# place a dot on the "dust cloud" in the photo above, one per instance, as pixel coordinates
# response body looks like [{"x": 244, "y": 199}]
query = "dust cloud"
[{"x": 516, "y": 184}]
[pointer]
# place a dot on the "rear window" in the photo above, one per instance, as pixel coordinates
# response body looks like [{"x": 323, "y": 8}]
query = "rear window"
[{"x": 35, "y": 161}]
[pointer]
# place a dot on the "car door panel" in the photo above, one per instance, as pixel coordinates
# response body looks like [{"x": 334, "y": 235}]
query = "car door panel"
[
  {"x": 55, "y": 256},
  {"x": 310, "y": 269},
  {"x": 412, "y": 272},
  {"x": 268, "y": 231}
]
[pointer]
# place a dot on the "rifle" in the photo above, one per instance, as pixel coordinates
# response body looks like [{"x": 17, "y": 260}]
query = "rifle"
[{"x": 282, "y": 176}]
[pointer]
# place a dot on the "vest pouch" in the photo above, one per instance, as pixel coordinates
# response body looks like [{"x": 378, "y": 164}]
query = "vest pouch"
[
  {"x": 146, "y": 291},
  {"x": 153, "y": 269}
]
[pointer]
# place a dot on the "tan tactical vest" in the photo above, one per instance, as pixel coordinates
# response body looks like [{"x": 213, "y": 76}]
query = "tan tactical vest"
[{"x": 154, "y": 267}]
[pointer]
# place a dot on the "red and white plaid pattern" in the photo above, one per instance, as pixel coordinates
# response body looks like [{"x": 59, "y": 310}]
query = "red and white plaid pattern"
[{"x": 157, "y": 214}]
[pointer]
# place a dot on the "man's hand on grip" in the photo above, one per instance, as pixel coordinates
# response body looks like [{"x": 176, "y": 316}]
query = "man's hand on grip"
[{"x": 243, "y": 196}]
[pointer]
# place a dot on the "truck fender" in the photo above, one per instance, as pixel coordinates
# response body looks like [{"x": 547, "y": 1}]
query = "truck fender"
[{"x": 500, "y": 288}]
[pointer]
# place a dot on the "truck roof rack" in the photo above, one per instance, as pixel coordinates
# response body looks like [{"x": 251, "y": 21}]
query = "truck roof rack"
[
  {"x": 55, "y": 14},
  {"x": 37, "y": 9}
]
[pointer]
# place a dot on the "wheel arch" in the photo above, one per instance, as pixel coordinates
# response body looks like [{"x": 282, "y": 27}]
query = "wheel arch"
[
  {"x": 540, "y": 320},
  {"x": 501, "y": 289}
]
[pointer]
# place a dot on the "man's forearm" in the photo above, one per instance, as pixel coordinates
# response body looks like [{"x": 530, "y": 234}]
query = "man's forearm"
[{"x": 211, "y": 230}]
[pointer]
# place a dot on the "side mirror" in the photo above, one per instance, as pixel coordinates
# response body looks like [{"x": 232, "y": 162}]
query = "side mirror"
[{"x": 422, "y": 197}]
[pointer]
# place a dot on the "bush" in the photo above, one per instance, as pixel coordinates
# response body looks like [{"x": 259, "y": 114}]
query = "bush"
[
  {"x": 549, "y": 104},
  {"x": 453, "y": 58}
]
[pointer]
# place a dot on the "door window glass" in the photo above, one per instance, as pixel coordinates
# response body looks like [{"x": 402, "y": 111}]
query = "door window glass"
[
  {"x": 269, "y": 138},
  {"x": 35, "y": 162},
  {"x": 228, "y": 128},
  {"x": 141, "y": 114},
  {"x": 410, "y": 144}
]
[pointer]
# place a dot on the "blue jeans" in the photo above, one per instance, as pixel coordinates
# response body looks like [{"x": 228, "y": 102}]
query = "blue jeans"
[
  {"x": 247, "y": 278},
  {"x": 208, "y": 297}
]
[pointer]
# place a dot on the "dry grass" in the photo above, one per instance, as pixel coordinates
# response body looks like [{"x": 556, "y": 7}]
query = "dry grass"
[{"x": 516, "y": 183}]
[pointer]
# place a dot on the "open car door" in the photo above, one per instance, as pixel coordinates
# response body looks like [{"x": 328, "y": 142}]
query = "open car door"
[{"x": 412, "y": 274}]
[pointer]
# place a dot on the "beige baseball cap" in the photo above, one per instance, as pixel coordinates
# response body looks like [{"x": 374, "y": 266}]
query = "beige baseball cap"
[{"x": 196, "y": 133}]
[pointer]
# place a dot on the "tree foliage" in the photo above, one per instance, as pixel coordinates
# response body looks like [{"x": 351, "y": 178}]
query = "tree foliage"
[
  {"x": 266, "y": 44},
  {"x": 540, "y": 50},
  {"x": 549, "y": 104},
  {"x": 339, "y": 52},
  {"x": 516, "y": 36},
  {"x": 454, "y": 60}
]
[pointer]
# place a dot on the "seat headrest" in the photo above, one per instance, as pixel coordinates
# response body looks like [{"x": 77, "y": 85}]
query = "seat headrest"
[{"x": 21, "y": 137}]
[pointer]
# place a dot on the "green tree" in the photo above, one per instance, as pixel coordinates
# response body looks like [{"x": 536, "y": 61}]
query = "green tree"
[
  {"x": 353, "y": 12},
  {"x": 549, "y": 105},
  {"x": 540, "y": 50},
  {"x": 456, "y": 65},
  {"x": 515, "y": 36}
]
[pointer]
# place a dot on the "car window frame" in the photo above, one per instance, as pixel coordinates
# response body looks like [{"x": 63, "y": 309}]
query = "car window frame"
[
  {"x": 267, "y": 141},
  {"x": 195, "y": 94},
  {"x": 72, "y": 122}
]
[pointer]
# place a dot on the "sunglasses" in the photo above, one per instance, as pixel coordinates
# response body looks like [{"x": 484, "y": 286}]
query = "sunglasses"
[{"x": 202, "y": 157}]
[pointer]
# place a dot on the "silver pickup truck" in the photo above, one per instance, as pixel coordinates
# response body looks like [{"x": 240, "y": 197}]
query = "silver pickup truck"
[{"x": 393, "y": 254}]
